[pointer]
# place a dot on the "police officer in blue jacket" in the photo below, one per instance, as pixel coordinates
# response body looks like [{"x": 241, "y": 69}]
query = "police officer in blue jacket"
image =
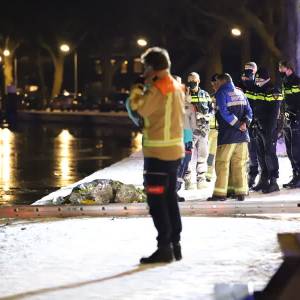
[{"x": 234, "y": 114}]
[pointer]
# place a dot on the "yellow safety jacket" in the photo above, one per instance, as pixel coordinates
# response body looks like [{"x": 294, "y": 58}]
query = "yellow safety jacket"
[{"x": 162, "y": 107}]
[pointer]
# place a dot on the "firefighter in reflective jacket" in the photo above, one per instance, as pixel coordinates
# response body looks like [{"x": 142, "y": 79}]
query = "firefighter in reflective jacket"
[
  {"x": 202, "y": 104},
  {"x": 291, "y": 92},
  {"x": 266, "y": 112},
  {"x": 160, "y": 104},
  {"x": 213, "y": 134},
  {"x": 233, "y": 115}
]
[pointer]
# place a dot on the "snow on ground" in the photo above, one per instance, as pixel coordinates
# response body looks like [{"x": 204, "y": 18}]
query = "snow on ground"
[
  {"x": 130, "y": 171},
  {"x": 97, "y": 258}
]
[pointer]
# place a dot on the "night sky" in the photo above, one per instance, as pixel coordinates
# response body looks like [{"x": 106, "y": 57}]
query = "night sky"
[{"x": 95, "y": 27}]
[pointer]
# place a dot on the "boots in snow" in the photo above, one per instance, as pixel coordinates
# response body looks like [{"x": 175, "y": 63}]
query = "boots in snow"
[
  {"x": 272, "y": 187},
  {"x": 263, "y": 183},
  {"x": 161, "y": 255},
  {"x": 177, "y": 251}
]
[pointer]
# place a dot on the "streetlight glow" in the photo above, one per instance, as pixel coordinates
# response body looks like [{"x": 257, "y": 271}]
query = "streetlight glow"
[
  {"x": 142, "y": 42},
  {"x": 236, "y": 31},
  {"x": 6, "y": 52},
  {"x": 65, "y": 48},
  {"x": 0, "y": 59}
]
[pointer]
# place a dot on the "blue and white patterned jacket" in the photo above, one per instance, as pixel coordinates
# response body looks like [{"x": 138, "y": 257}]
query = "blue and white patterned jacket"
[{"x": 232, "y": 109}]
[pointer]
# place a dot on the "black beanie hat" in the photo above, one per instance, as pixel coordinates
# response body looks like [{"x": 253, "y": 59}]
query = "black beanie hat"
[{"x": 262, "y": 73}]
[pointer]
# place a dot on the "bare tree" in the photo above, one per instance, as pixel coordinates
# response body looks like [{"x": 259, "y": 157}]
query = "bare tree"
[{"x": 11, "y": 45}]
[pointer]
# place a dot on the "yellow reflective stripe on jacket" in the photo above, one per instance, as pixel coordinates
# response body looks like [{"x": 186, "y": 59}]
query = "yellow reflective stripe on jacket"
[
  {"x": 163, "y": 143},
  {"x": 166, "y": 141},
  {"x": 146, "y": 125},
  {"x": 269, "y": 97},
  {"x": 250, "y": 95},
  {"x": 168, "y": 112},
  {"x": 292, "y": 90},
  {"x": 197, "y": 99}
]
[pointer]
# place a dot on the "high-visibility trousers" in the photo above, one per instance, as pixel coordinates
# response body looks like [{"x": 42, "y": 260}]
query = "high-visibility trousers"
[
  {"x": 212, "y": 145},
  {"x": 231, "y": 162}
]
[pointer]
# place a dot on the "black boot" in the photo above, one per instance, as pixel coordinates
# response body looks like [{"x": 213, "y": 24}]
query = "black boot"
[
  {"x": 251, "y": 181},
  {"x": 216, "y": 198},
  {"x": 177, "y": 251},
  {"x": 181, "y": 199},
  {"x": 230, "y": 194},
  {"x": 240, "y": 197},
  {"x": 161, "y": 255},
  {"x": 296, "y": 183},
  {"x": 273, "y": 186},
  {"x": 263, "y": 183},
  {"x": 292, "y": 182}
]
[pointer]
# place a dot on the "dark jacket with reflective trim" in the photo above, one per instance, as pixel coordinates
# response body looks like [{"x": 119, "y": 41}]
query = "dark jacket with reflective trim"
[
  {"x": 268, "y": 100},
  {"x": 202, "y": 102},
  {"x": 232, "y": 109},
  {"x": 248, "y": 87},
  {"x": 291, "y": 91}
]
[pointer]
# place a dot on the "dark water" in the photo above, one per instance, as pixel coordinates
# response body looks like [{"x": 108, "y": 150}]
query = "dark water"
[{"x": 36, "y": 159}]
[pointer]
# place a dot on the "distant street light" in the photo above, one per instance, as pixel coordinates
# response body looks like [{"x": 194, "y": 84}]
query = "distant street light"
[
  {"x": 66, "y": 48},
  {"x": 6, "y": 52},
  {"x": 142, "y": 42},
  {"x": 236, "y": 32}
]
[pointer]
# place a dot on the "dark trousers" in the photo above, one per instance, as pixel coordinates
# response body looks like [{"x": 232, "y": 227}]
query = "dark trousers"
[
  {"x": 253, "y": 159},
  {"x": 266, "y": 140},
  {"x": 292, "y": 142},
  {"x": 160, "y": 179}
]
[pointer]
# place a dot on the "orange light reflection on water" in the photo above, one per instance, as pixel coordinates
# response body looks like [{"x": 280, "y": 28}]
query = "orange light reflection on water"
[
  {"x": 7, "y": 140},
  {"x": 64, "y": 156}
]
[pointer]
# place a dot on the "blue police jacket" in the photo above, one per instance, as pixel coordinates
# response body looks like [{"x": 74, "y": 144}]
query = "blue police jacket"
[{"x": 232, "y": 109}]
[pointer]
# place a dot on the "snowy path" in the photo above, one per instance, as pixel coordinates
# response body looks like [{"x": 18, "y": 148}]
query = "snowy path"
[{"x": 96, "y": 258}]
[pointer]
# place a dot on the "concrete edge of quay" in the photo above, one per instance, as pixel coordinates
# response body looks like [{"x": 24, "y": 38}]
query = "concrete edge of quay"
[
  {"x": 190, "y": 208},
  {"x": 90, "y": 117}
]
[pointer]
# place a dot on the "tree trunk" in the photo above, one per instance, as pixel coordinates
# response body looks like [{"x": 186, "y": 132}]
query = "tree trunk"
[
  {"x": 107, "y": 75},
  {"x": 58, "y": 75},
  {"x": 8, "y": 71},
  {"x": 213, "y": 65},
  {"x": 39, "y": 63},
  {"x": 214, "y": 60},
  {"x": 245, "y": 49},
  {"x": 262, "y": 31}
]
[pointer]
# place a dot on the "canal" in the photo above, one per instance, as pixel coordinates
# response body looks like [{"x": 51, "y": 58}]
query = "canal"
[{"x": 36, "y": 159}]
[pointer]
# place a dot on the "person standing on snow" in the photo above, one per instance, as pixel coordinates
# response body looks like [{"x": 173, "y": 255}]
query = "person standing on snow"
[
  {"x": 202, "y": 104},
  {"x": 233, "y": 115},
  {"x": 189, "y": 125},
  {"x": 213, "y": 133},
  {"x": 247, "y": 85},
  {"x": 160, "y": 103},
  {"x": 266, "y": 113},
  {"x": 291, "y": 92}
]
